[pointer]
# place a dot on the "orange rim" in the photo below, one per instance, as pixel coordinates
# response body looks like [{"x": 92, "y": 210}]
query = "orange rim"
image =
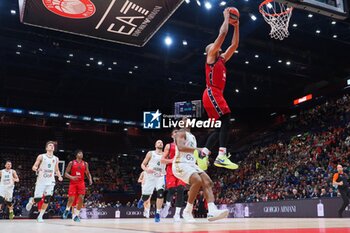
[{"x": 273, "y": 15}]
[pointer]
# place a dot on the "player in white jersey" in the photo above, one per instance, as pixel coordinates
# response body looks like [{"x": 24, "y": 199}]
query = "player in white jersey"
[
  {"x": 154, "y": 178},
  {"x": 7, "y": 184},
  {"x": 146, "y": 204},
  {"x": 46, "y": 166},
  {"x": 185, "y": 168}
]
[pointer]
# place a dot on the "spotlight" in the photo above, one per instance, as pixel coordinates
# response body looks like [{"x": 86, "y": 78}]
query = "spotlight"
[
  {"x": 168, "y": 41},
  {"x": 208, "y": 5},
  {"x": 253, "y": 17}
]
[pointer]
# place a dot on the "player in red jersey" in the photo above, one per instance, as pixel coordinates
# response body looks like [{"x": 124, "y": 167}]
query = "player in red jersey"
[
  {"x": 76, "y": 171},
  {"x": 213, "y": 98},
  {"x": 173, "y": 184}
]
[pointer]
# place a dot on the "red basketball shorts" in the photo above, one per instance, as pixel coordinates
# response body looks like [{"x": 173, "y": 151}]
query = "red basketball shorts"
[
  {"x": 214, "y": 103},
  {"x": 172, "y": 181},
  {"x": 76, "y": 189}
]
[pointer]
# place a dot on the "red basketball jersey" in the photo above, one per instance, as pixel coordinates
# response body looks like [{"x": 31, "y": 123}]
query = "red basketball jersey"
[
  {"x": 169, "y": 168},
  {"x": 216, "y": 74},
  {"x": 78, "y": 169}
]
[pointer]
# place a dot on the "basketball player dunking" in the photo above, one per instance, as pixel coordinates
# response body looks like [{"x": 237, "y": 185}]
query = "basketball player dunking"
[
  {"x": 173, "y": 184},
  {"x": 46, "y": 166},
  {"x": 185, "y": 168},
  {"x": 75, "y": 172},
  {"x": 154, "y": 178},
  {"x": 213, "y": 98},
  {"x": 7, "y": 184}
]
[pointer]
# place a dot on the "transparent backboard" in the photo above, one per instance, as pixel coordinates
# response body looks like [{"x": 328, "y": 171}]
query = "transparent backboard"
[{"x": 337, "y": 9}]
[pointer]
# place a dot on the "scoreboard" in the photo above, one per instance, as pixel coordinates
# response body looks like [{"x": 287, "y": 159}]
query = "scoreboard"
[{"x": 189, "y": 108}]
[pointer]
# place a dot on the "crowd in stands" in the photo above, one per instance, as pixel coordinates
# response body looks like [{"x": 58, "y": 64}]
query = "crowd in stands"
[{"x": 296, "y": 168}]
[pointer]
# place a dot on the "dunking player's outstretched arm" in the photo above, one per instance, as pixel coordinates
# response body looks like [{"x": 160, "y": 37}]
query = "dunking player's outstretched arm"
[
  {"x": 37, "y": 163},
  {"x": 234, "y": 43},
  {"x": 15, "y": 176},
  {"x": 180, "y": 140},
  {"x": 145, "y": 163},
  {"x": 213, "y": 48},
  {"x": 57, "y": 171},
  {"x": 87, "y": 173},
  {"x": 165, "y": 157}
]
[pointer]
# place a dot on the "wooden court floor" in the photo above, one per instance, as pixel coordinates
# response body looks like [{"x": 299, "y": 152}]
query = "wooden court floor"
[{"x": 251, "y": 225}]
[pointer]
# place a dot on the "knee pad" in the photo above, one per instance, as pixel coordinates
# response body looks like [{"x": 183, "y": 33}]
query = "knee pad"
[
  {"x": 145, "y": 197},
  {"x": 160, "y": 193},
  {"x": 37, "y": 199},
  {"x": 47, "y": 199}
]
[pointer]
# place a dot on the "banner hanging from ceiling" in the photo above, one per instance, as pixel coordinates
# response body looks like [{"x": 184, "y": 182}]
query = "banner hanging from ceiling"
[{"x": 131, "y": 22}]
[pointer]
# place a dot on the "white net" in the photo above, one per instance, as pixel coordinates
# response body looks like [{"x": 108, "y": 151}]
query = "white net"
[{"x": 277, "y": 16}]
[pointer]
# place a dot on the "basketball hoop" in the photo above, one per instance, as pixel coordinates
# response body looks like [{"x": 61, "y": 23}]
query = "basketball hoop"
[{"x": 277, "y": 15}]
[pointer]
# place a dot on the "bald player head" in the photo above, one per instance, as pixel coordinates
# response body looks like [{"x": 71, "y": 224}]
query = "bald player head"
[{"x": 159, "y": 145}]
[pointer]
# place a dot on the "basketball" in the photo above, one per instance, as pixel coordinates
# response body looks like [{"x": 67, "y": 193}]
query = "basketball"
[
  {"x": 71, "y": 6},
  {"x": 234, "y": 14}
]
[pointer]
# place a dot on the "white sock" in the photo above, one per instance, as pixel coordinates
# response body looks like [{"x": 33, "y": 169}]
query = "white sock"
[
  {"x": 147, "y": 210},
  {"x": 77, "y": 212},
  {"x": 205, "y": 151},
  {"x": 189, "y": 207},
  {"x": 67, "y": 208},
  {"x": 211, "y": 207},
  {"x": 42, "y": 212},
  {"x": 178, "y": 210},
  {"x": 168, "y": 204},
  {"x": 222, "y": 152},
  {"x": 158, "y": 211}
]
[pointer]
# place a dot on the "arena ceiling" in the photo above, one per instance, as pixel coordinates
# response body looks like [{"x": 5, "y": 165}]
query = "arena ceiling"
[{"x": 53, "y": 71}]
